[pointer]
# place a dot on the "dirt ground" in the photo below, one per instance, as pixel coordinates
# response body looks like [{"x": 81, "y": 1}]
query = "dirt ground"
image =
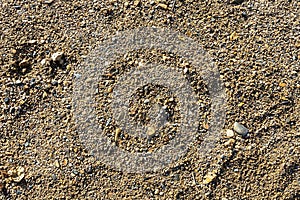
[{"x": 255, "y": 46}]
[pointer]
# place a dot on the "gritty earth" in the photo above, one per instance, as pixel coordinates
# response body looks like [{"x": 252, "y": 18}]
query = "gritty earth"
[{"x": 255, "y": 46}]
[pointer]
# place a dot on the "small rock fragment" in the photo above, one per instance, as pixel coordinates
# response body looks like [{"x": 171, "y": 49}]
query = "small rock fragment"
[
  {"x": 77, "y": 75},
  {"x": 109, "y": 90},
  {"x": 126, "y": 4},
  {"x": 297, "y": 44},
  {"x": 56, "y": 164},
  {"x": 230, "y": 142},
  {"x": 44, "y": 62},
  {"x": 48, "y": 1},
  {"x": 18, "y": 192},
  {"x": 45, "y": 94},
  {"x": 150, "y": 131},
  {"x": 54, "y": 82},
  {"x": 185, "y": 70},
  {"x": 118, "y": 131},
  {"x": 233, "y": 36},
  {"x": 205, "y": 125},
  {"x": 17, "y": 174},
  {"x": 58, "y": 57},
  {"x": 282, "y": 84},
  {"x": 162, "y": 5},
  {"x": 24, "y": 63},
  {"x": 210, "y": 176},
  {"x": 229, "y": 133},
  {"x": 146, "y": 101},
  {"x": 6, "y": 100},
  {"x": 18, "y": 82},
  {"x": 244, "y": 14},
  {"x": 241, "y": 104},
  {"x": 13, "y": 51},
  {"x": 136, "y": 3},
  {"x": 240, "y": 129},
  {"x": 65, "y": 162},
  {"x": 89, "y": 169},
  {"x": 32, "y": 41},
  {"x": 237, "y": 2}
]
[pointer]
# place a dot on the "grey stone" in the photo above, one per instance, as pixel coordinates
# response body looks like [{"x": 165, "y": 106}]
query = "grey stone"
[{"x": 240, "y": 129}]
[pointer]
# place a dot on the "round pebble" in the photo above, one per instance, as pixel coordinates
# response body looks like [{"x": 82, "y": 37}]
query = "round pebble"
[
  {"x": 240, "y": 129},
  {"x": 229, "y": 133},
  {"x": 6, "y": 100}
]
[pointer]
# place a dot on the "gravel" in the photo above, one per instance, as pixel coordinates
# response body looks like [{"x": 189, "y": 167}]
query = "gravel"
[{"x": 254, "y": 44}]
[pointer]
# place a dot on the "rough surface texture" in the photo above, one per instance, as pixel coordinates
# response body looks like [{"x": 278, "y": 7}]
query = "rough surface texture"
[{"x": 256, "y": 46}]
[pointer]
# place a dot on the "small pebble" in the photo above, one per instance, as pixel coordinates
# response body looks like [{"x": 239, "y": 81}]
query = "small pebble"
[
  {"x": 176, "y": 177},
  {"x": 54, "y": 82},
  {"x": 75, "y": 172},
  {"x": 136, "y": 3},
  {"x": 17, "y": 7},
  {"x": 56, "y": 164},
  {"x": 89, "y": 169},
  {"x": 229, "y": 133},
  {"x": 240, "y": 129},
  {"x": 18, "y": 82},
  {"x": 163, "y": 6},
  {"x": 6, "y": 100},
  {"x": 24, "y": 63},
  {"x": 108, "y": 122},
  {"x": 151, "y": 131},
  {"x": 185, "y": 70},
  {"x": 58, "y": 57},
  {"x": 54, "y": 177},
  {"x": 77, "y": 75},
  {"x": 244, "y": 14},
  {"x": 109, "y": 90},
  {"x": 19, "y": 192},
  {"x": 118, "y": 131},
  {"x": 44, "y": 62},
  {"x": 230, "y": 142},
  {"x": 32, "y": 41},
  {"x": 32, "y": 82}
]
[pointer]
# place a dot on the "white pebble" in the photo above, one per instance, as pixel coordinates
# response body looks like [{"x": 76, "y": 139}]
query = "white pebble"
[
  {"x": 58, "y": 57},
  {"x": 229, "y": 133}
]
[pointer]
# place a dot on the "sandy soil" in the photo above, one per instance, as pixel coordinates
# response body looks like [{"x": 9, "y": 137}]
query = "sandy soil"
[{"x": 255, "y": 46}]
